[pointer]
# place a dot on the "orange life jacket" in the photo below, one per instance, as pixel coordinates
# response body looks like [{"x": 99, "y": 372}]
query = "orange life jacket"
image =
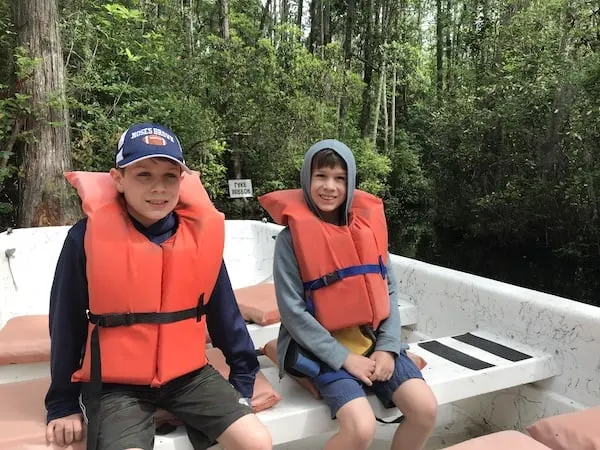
[
  {"x": 342, "y": 267},
  {"x": 146, "y": 301}
]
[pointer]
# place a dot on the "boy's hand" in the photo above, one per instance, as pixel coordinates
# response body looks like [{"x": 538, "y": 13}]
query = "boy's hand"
[
  {"x": 384, "y": 366},
  {"x": 65, "y": 431},
  {"x": 361, "y": 367}
]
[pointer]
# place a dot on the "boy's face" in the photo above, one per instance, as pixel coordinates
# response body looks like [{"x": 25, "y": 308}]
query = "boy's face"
[
  {"x": 328, "y": 191},
  {"x": 150, "y": 187}
]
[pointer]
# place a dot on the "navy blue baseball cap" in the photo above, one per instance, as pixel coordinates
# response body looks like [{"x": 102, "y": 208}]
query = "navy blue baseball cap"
[{"x": 148, "y": 140}]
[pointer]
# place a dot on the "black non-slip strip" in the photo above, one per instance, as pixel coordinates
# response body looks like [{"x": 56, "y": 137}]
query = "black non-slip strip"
[
  {"x": 455, "y": 356},
  {"x": 492, "y": 347}
]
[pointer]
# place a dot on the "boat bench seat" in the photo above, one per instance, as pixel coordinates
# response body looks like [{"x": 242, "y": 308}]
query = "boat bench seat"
[
  {"x": 25, "y": 339},
  {"x": 458, "y": 367}
]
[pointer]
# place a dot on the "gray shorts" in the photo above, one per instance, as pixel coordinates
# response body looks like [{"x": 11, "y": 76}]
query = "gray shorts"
[{"x": 203, "y": 400}]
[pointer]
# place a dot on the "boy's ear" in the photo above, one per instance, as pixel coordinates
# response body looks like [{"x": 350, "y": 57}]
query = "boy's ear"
[{"x": 117, "y": 176}]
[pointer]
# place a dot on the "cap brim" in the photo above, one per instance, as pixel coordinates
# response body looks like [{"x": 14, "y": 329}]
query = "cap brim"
[{"x": 185, "y": 168}]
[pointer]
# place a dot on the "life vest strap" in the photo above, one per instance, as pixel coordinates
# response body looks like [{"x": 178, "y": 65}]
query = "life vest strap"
[
  {"x": 330, "y": 376},
  {"x": 340, "y": 274},
  {"x": 127, "y": 319}
]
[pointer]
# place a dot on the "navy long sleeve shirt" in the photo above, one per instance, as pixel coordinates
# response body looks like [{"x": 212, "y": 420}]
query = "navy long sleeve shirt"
[{"x": 69, "y": 302}]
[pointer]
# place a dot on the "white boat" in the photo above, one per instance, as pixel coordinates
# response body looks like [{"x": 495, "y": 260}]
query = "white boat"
[{"x": 499, "y": 357}]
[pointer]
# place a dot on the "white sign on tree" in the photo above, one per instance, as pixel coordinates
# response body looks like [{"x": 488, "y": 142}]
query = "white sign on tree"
[{"x": 240, "y": 188}]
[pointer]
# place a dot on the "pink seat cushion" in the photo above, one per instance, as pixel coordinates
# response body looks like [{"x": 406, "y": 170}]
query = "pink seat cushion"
[
  {"x": 23, "y": 416},
  {"x": 265, "y": 396},
  {"x": 25, "y": 339},
  {"x": 578, "y": 430},
  {"x": 258, "y": 303},
  {"x": 503, "y": 440}
]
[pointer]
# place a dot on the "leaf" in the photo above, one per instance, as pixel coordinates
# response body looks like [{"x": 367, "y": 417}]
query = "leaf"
[{"x": 131, "y": 56}]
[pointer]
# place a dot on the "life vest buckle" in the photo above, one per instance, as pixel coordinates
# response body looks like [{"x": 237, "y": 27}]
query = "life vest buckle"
[
  {"x": 112, "y": 320},
  {"x": 330, "y": 278},
  {"x": 383, "y": 268},
  {"x": 201, "y": 308},
  {"x": 128, "y": 319},
  {"x": 200, "y": 311}
]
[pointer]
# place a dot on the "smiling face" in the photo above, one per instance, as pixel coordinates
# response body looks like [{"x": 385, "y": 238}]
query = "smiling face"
[
  {"x": 328, "y": 190},
  {"x": 150, "y": 187}
]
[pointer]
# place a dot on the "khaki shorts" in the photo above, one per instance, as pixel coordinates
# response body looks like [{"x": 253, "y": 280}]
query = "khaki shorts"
[{"x": 203, "y": 400}]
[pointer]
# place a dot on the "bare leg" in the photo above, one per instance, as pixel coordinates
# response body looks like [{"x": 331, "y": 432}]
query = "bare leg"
[
  {"x": 246, "y": 433},
  {"x": 357, "y": 427},
  {"x": 419, "y": 406}
]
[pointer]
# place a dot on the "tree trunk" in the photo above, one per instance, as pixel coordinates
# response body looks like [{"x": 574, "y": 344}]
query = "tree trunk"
[
  {"x": 265, "y": 18},
  {"x": 349, "y": 26},
  {"x": 378, "y": 103},
  {"x": 439, "y": 45},
  {"x": 419, "y": 20},
  {"x": 314, "y": 38},
  {"x": 385, "y": 108},
  {"x": 299, "y": 16},
  {"x": 188, "y": 15},
  {"x": 382, "y": 97},
  {"x": 285, "y": 11},
  {"x": 274, "y": 21},
  {"x": 325, "y": 22},
  {"x": 448, "y": 32},
  {"x": 393, "y": 108},
  {"x": 369, "y": 54},
  {"x": 225, "y": 20},
  {"x": 45, "y": 198},
  {"x": 560, "y": 112},
  {"x": 347, "y": 65}
]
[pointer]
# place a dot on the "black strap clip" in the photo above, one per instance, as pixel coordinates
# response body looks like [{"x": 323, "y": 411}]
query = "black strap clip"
[
  {"x": 111, "y": 320},
  {"x": 201, "y": 309},
  {"x": 330, "y": 278}
]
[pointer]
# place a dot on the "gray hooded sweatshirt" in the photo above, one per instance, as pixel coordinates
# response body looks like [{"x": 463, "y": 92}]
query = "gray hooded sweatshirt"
[{"x": 296, "y": 322}]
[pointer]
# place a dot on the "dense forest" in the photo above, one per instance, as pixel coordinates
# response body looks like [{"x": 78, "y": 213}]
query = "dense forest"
[{"x": 477, "y": 121}]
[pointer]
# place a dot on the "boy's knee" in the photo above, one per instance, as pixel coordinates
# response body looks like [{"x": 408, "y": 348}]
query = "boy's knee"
[
  {"x": 261, "y": 440},
  {"x": 365, "y": 432},
  {"x": 258, "y": 438},
  {"x": 247, "y": 433},
  {"x": 360, "y": 430},
  {"x": 426, "y": 413}
]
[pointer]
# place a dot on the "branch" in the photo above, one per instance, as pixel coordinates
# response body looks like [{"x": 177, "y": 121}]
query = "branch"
[
  {"x": 17, "y": 127},
  {"x": 223, "y": 136}
]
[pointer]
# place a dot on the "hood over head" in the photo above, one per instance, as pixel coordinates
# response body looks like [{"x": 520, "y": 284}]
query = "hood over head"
[{"x": 305, "y": 173}]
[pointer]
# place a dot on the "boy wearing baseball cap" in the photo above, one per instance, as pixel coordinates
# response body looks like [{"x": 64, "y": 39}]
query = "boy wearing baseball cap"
[{"x": 137, "y": 283}]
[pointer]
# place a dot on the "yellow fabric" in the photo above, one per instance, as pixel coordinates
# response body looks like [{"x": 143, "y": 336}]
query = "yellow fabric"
[{"x": 353, "y": 339}]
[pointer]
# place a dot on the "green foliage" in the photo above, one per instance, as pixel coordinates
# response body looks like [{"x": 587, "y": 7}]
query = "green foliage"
[
  {"x": 514, "y": 154},
  {"x": 497, "y": 173},
  {"x": 14, "y": 106},
  {"x": 8, "y": 107},
  {"x": 408, "y": 200},
  {"x": 372, "y": 168}
]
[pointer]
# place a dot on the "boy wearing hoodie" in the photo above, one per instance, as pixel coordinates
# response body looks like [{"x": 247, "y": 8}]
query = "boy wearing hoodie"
[{"x": 340, "y": 323}]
